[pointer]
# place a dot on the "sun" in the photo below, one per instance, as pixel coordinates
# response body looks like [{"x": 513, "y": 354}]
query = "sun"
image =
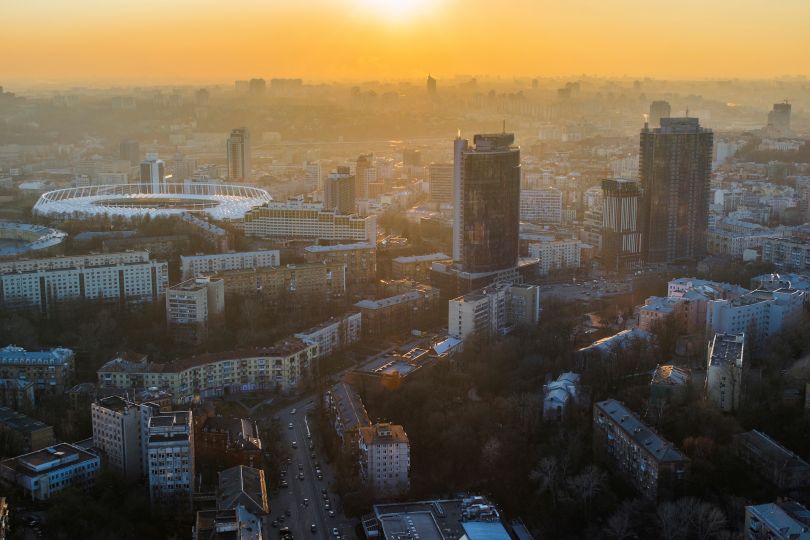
[{"x": 397, "y": 10}]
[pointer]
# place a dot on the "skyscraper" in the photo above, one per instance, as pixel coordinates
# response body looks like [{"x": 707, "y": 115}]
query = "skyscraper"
[
  {"x": 674, "y": 168},
  {"x": 364, "y": 174},
  {"x": 153, "y": 172},
  {"x": 312, "y": 175},
  {"x": 440, "y": 182},
  {"x": 779, "y": 119},
  {"x": 340, "y": 191},
  {"x": 239, "y": 155},
  {"x": 659, "y": 110},
  {"x": 431, "y": 85},
  {"x": 130, "y": 151},
  {"x": 621, "y": 239},
  {"x": 486, "y": 210}
]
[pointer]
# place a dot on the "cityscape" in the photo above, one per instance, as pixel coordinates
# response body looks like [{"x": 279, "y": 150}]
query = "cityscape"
[{"x": 404, "y": 270}]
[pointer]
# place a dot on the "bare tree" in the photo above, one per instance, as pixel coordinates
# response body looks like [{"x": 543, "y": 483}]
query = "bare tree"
[{"x": 621, "y": 525}]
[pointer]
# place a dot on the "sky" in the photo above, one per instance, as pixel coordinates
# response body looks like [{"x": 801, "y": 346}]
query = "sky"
[{"x": 208, "y": 41}]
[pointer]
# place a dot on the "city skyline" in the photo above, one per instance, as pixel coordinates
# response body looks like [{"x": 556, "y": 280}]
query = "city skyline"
[{"x": 406, "y": 39}]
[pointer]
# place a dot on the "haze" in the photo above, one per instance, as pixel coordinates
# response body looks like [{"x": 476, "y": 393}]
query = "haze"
[{"x": 127, "y": 41}]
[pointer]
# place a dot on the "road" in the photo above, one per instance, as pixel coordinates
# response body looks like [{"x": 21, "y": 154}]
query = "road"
[{"x": 292, "y": 498}]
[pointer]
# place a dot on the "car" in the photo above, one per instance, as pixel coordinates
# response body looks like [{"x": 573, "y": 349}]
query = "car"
[
  {"x": 331, "y": 513},
  {"x": 323, "y": 491},
  {"x": 309, "y": 435},
  {"x": 312, "y": 455},
  {"x": 313, "y": 528},
  {"x": 274, "y": 523},
  {"x": 289, "y": 461},
  {"x": 319, "y": 476},
  {"x": 284, "y": 484},
  {"x": 335, "y": 531},
  {"x": 294, "y": 444},
  {"x": 284, "y": 530},
  {"x": 327, "y": 506},
  {"x": 300, "y": 466},
  {"x": 293, "y": 411},
  {"x": 290, "y": 426},
  {"x": 325, "y": 495},
  {"x": 306, "y": 502},
  {"x": 301, "y": 476}
]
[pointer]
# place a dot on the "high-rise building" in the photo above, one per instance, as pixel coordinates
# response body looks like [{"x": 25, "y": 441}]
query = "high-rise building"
[
  {"x": 621, "y": 239},
  {"x": 659, "y": 110},
  {"x": 191, "y": 304},
  {"x": 440, "y": 182},
  {"x": 431, "y": 85},
  {"x": 779, "y": 118},
  {"x": 542, "y": 205},
  {"x": 365, "y": 173},
  {"x": 153, "y": 172},
  {"x": 239, "y": 155},
  {"x": 494, "y": 310},
  {"x": 130, "y": 150},
  {"x": 486, "y": 209},
  {"x": 257, "y": 86},
  {"x": 312, "y": 175},
  {"x": 340, "y": 191},
  {"x": 674, "y": 167},
  {"x": 724, "y": 371},
  {"x": 170, "y": 458},
  {"x": 119, "y": 429},
  {"x": 385, "y": 458}
]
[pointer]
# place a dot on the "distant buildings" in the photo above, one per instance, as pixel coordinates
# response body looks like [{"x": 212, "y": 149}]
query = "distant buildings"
[
  {"x": 239, "y": 155},
  {"x": 561, "y": 394},
  {"x": 772, "y": 461},
  {"x": 23, "y": 432},
  {"x": 440, "y": 182},
  {"x": 194, "y": 265},
  {"x": 360, "y": 260},
  {"x": 48, "y": 471},
  {"x": 493, "y": 311},
  {"x": 153, "y": 172},
  {"x": 659, "y": 110},
  {"x": 675, "y": 166},
  {"x": 191, "y": 304},
  {"x": 486, "y": 190},
  {"x": 556, "y": 255},
  {"x": 349, "y": 413},
  {"x": 50, "y": 370},
  {"x": 365, "y": 173},
  {"x": 724, "y": 372},
  {"x": 129, "y": 277},
  {"x": 431, "y": 85},
  {"x": 541, "y": 205},
  {"x": 636, "y": 453},
  {"x": 290, "y": 284},
  {"x": 785, "y": 520},
  {"x": 385, "y": 458},
  {"x": 130, "y": 151},
  {"x": 779, "y": 119},
  {"x": 170, "y": 459},
  {"x": 791, "y": 254},
  {"x": 621, "y": 237},
  {"x": 303, "y": 221},
  {"x": 340, "y": 195},
  {"x": 334, "y": 335}
]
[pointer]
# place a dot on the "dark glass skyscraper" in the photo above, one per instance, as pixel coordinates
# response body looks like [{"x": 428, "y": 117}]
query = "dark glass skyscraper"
[
  {"x": 621, "y": 240},
  {"x": 486, "y": 206},
  {"x": 674, "y": 166}
]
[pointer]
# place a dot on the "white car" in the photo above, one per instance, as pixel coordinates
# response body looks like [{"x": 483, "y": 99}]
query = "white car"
[{"x": 293, "y": 411}]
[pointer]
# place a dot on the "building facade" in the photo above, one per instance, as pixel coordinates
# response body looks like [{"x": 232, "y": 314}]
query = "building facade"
[
  {"x": 119, "y": 429},
  {"x": 293, "y": 220},
  {"x": 340, "y": 195},
  {"x": 360, "y": 260},
  {"x": 51, "y": 370},
  {"x": 239, "y": 154},
  {"x": 493, "y": 311},
  {"x": 760, "y": 314},
  {"x": 308, "y": 282},
  {"x": 153, "y": 172},
  {"x": 170, "y": 459},
  {"x": 191, "y": 304},
  {"x": 556, "y": 255},
  {"x": 385, "y": 458},
  {"x": 621, "y": 238},
  {"x": 790, "y": 254},
  {"x": 724, "y": 372},
  {"x": 440, "y": 182},
  {"x": 541, "y": 205},
  {"x": 194, "y": 265},
  {"x": 784, "y": 520},
  {"x": 391, "y": 315},
  {"x": 335, "y": 334},
  {"x": 50, "y": 470},
  {"x": 416, "y": 267}
]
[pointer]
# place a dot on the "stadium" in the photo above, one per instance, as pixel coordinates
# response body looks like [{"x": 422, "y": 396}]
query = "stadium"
[
  {"x": 19, "y": 238},
  {"x": 216, "y": 201}
]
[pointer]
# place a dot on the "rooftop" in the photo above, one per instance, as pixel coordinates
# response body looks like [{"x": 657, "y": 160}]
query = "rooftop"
[
  {"x": 19, "y": 422},
  {"x": 17, "y": 355},
  {"x": 422, "y": 258},
  {"x": 383, "y": 433},
  {"x": 244, "y": 486},
  {"x": 339, "y": 247},
  {"x": 727, "y": 349},
  {"x": 283, "y": 348},
  {"x": 771, "y": 450},
  {"x": 670, "y": 375},
  {"x": 56, "y": 457},
  {"x": 789, "y": 518},
  {"x": 658, "y": 447},
  {"x": 125, "y": 362}
]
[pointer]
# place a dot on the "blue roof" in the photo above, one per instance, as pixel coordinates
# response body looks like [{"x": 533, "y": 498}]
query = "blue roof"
[{"x": 485, "y": 530}]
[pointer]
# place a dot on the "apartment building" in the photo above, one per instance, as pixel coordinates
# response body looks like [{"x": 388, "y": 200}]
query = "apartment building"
[
  {"x": 283, "y": 366},
  {"x": 556, "y": 255},
  {"x": 170, "y": 458},
  {"x": 493, "y": 310},
  {"x": 120, "y": 433},
  {"x": 784, "y": 520},
  {"x": 128, "y": 277},
  {"x": 417, "y": 267},
  {"x": 308, "y": 282},
  {"x": 760, "y": 314},
  {"x": 195, "y": 265},
  {"x": 298, "y": 220},
  {"x": 48, "y": 471},
  {"x": 51, "y": 370},
  {"x": 396, "y": 313},
  {"x": 335, "y": 334},
  {"x": 348, "y": 411},
  {"x": 359, "y": 258},
  {"x": 227, "y": 442},
  {"x": 23, "y": 432},
  {"x": 636, "y": 453},
  {"x": 191, "y": 304},
  {"x": 724, "y": 372},
  {"x": 560, "y": 395},
  {"x": 541, "y": 205},
  {"x": 790, "y": 254},
  {"x": 772, "y": 461},
  {"x": 385, "y": 458}
]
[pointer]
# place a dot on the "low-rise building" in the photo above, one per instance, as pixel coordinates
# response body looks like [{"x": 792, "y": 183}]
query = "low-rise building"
[
  {"x": 560, "y": 395},
  {"x": 47, "y": 471},
  {"x": 334, "y": 335},
  {"x": 493, "y": 310},
  {"x": 669, "y": 384},
  {"x": 195, "y": 265},
  {"x": 385, "y": 458},
  {"x": 191, "y": 304},
  {"x": 50, "y": 370},
  {"x": 360, "y": 260},
  {"x": 785, "y": 520},
  {"x": 308, "y": 282},
  {"x": 417, "y": 267},
  {"x": 23, "y": 432},
  {"x": 789, "y": 254},
  {"x": 227, "y": 442},
  {"x": 541, "y": 205},
  {"x": 298, "y": 220},
  {"x": 772, "y": 461},
  {"x": 400, "y": 312},
  {"x": 348, "y": 411},
  {"x": 170, "y": 459},
  {"x": 724, "y": 372},
  {"x": 233, "y": 524},
  {"x": 639, "y": 455},
  {"x": 760, "y": 314},
  {"x": 243, "y": 486}
]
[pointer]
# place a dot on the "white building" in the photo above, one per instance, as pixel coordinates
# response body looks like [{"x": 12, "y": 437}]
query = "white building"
[
  {"x": 153, "y": 172},
  {"x": 785, "y": 520},
  {"x": 170, "y": 458},
  {"x": 385, "y": 458},
  {"x": 113, "y": 277},
  {"x": 559, "y": 395},
  {"x": 194, "y": 265},
  {"x": 556, "y": 254},
  {"x": 335, "y": 334},
  {"x": 760, "y": 314},
  {"x": 440, "y": 181},
  {"x": 493, "y": 310},
  {"x": 48, "y": 471},
  {"x": 191, "y": 304},
  {"x": 119, "y": 427},
  {"x": 298, "y": 220},
  {"x": 724, "y": 371},
  {"x": 541, "y": 205}
]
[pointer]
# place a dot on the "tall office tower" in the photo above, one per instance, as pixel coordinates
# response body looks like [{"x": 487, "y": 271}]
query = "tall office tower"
[
  {"x": 130, "y": 151},
  {"x": 440, "y": 182},
  {"x": 340, "y": 191},
  {"x": 257, "y": 86},
  {"x": 486, "y": 208},
  {"x": 621, "y": 239},
  {"x": 312, "y": 175},
  {"x": 431, "y": 85},
  {"x": 153, "y": 172},
  {"x": 239, "y": 155},
  {"x": 779, "y": 118},
  {"x": 659, "y": 110},
  {"x": 364, "y": 174},
  {"x": 674, "y": 167}
]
